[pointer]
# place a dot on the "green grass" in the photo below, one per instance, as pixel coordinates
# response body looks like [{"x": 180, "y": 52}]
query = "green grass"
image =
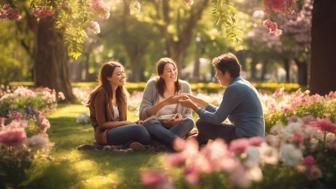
[{"x": 70, "y": 168}]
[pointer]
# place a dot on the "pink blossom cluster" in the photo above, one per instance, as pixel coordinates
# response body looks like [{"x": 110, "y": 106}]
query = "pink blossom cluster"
[
  {"x": 243, "y": 159},
  {"x": 279, "y": 6},
  {"x": 12, "y": 136},
  {"x": 10, "y": 13},
  {"x": 272, "y": 27},
  {"x": 100, "y": 8},
  {"x": 94, "y": 27},
  {"x": 284, "y": 102},
  {"x": 42, "y": 12}
]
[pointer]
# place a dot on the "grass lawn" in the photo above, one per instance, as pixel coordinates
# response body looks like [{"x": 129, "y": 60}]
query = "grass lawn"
[{"x": 70, "y": 168}]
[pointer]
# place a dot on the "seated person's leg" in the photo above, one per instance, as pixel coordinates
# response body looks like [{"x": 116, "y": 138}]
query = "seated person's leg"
[
  {"x": 208, "y": 131},
  {"x": 160, "y": 133},
  {"x": 127, "y": 134},
  {"x": 183, "y": 128}
]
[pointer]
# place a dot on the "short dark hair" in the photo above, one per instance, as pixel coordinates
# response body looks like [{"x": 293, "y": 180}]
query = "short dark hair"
[{"x": 227, "y": 62}]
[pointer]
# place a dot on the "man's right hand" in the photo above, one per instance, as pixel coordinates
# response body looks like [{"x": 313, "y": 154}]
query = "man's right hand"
[{"x": 199, "y": 102}]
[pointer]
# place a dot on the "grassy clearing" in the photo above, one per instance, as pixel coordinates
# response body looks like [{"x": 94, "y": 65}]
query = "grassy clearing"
[{"x": 70, "y": 168}]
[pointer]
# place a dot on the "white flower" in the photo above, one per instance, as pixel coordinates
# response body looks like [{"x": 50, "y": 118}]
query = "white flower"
[
  {"x": 37, "y": 141},
  {"x": 83, "y": 118},
  {"x": 268, "y": 154},
  {"x": 254, "y": 174},
  {"x": 258, "y": 14},
  {"x": 253, "y": 156},
  {"x": 290, "y": 155}
]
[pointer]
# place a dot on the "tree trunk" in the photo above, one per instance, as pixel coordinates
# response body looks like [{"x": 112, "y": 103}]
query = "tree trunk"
[
  {"x": 253, "y": 70},
  {"x": 135, "y": 69},
  {"x": 263, "y": 71},
  {"x": 51, "y": 59},
  {"x": 323, "y": 62},
  {"x": 196, "y": 72},
  {"x": 302, "y": 72},
  {"x": 286, "y": 63}
]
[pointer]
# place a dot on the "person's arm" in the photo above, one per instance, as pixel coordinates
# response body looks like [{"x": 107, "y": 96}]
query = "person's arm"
[
  {"x": 232, "y": 98},
  {"x": 147, "y": 106},
  {"x": 100, "y": 110}
]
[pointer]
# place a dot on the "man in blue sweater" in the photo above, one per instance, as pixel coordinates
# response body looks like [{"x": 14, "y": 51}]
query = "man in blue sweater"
[{"x": 240, "y": 104}]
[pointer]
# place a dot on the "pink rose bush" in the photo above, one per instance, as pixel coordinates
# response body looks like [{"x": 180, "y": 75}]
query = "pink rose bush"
[
  {"x": 253, "y": 162},
  {"x": 282, "y": 106},
  {"x": 299, "y": 149}
]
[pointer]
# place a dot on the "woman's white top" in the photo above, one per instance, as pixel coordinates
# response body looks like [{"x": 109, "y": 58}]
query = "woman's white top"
[
  {"x": 115, "y": 112},
  {"x": 166, "y": 110}
]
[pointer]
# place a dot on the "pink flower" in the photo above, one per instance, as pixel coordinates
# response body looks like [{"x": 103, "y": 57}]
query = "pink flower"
[
  {"x": 100, "y": 8},
  {"x": 176, "y": 160},
  {"x": 43, "y": 12},
  {"x": 94, "y": 27},
  {"x": 153, "y": 178},
  {"x": 8, "y": 12},
  {"x": 272, "y": 27},
  {"x": 309, "y": 161},
  {"x": 325, "y": 125},
  {"x": 297, "y": 137},
  {"x": 240, "y": 178},
  {"x": 15, "y": 116},
  {"x": 314, "y": 172},
  {"x": 256, "y": 141},
  {"x": 239, "y": 145},
  {"x": 179, "y": 144},
  {"x": 279, "y": 6},
  {"x": 192, "y": 175},
  {"x": 12, "y": 137}
]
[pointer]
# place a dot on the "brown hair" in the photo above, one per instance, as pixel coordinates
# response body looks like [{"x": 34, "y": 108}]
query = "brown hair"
[
  {"x": 228, "y": 62},
  {"x": 160, "y": 85},
  {"x": 106, "y": 71}
]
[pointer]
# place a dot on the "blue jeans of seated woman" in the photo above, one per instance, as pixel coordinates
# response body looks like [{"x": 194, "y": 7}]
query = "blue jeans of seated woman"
[
  {"x": 168, "y": 135},
  {"x": 127, "y": 134}
]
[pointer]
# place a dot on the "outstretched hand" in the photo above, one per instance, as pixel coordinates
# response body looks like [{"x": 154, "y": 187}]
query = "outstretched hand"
[
  {"x": 189, "y": 103},
  {"x": 175, "y": 99}
]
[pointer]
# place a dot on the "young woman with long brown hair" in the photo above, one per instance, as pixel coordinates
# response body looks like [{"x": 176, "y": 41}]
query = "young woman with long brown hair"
[
  {"x": 108, "y": 109},
  {"x": 160, "y": 99}
]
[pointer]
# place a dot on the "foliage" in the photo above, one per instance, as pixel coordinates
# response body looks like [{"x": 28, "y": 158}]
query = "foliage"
[
  {"x": 23, "y": 140},
  {"x": 25, "y": 100},
  {"x": 295, "y": 153},
  {"x": 280, "y": 106}
]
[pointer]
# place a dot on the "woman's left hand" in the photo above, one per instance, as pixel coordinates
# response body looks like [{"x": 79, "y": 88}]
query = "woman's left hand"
[{"x": 172, "y": 122}]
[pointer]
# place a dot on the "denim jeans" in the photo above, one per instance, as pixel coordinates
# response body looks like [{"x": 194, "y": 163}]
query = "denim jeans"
[
  {"x": 168, "y": 135},
  {"x": 127, "y": 134},
  {"x": 208, "y": 131}
]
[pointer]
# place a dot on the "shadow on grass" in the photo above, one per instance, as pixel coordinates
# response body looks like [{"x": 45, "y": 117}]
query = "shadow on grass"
[{"x": 70, "y": 168}]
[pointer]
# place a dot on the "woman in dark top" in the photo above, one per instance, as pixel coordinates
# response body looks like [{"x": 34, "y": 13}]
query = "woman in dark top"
[
  {"x": 241, "y": 104},
  {"x": 108, "y": 109}
]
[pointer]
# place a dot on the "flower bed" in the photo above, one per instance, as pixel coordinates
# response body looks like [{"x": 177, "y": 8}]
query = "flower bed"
[{"x": 301, "y": 154}]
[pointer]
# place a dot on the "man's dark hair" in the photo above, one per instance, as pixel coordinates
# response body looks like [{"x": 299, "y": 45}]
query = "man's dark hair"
[{"x": 227, "y": 62}]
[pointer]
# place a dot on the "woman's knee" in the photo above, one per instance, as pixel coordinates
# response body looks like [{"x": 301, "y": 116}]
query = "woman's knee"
[
  {"x": 188, "y": 123},
  {"x": 141, "y": 134},
  {"x": 200, "y": 124}
]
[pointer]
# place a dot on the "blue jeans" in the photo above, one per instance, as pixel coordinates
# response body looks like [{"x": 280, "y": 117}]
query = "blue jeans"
[
  {"x": 168, "y": 135},
  {"x": 127, "y": 134},
  {"x": 208, "y": 131}
]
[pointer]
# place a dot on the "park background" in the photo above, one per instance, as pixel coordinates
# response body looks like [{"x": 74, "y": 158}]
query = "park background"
[{"x": 286, "y": 49}]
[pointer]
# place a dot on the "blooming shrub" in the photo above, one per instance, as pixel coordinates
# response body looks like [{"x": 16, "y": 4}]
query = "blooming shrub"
[
  {"x": 21, "y": 98},
  {"x": 298, "y": 155},
  {"x": 23, "y": 139},
  {"x": 280, "y": 106}
]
